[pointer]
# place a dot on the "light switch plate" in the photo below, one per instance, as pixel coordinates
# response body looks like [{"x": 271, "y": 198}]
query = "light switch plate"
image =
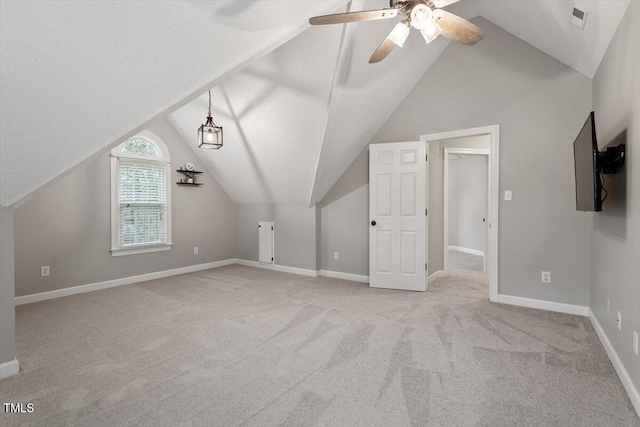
[{"x": 507, "y": 194}]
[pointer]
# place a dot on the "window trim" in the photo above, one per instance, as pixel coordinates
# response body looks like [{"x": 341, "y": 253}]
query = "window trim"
[{"x": 116, "y": 156}]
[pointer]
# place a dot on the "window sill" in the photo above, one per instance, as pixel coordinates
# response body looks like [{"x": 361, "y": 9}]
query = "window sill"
[{"x": 141, "y": 249}]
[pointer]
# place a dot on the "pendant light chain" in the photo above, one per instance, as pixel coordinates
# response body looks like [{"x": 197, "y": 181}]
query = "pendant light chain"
[{"x": 209, "y": 103}]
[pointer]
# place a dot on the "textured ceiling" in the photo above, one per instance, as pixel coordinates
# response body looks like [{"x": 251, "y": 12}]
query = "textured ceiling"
[
  {"x": 275, "y": 113},
  {"x": 546, "y": 25},
  {"x": 79, "y": 76}
]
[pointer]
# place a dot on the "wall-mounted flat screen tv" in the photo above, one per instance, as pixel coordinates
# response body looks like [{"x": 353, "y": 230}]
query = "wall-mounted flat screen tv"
[{"x": 588, "y": 183}]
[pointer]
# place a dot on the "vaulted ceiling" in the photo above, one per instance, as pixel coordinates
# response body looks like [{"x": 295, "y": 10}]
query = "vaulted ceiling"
[
  {"x": 546, "y": 25},
  {"x": 79, "y": 76},
  {"x": 297, "y": 103},
  {"x": 306, "y": 100}
]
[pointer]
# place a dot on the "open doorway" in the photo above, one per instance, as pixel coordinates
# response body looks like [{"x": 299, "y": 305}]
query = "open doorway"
[
  {"x": 466, "y": 204},
  {"x": 476, "y": 148}
]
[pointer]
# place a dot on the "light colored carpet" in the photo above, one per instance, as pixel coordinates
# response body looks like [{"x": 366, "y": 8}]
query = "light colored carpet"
[
  {"x": 464, "y": 261},
  {"x": 245, "y": 346}
]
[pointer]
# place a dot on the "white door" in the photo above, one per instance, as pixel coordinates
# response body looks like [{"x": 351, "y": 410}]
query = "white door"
[{"x": 397, "y": 203}]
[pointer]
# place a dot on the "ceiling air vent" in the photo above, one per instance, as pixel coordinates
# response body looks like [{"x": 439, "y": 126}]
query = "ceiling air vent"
[{"x": 578, "y": 17}]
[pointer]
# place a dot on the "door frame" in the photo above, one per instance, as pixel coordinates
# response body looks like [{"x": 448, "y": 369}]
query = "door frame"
[
  {"x": 494, "y": 193},
  {"x": 445, "y": 202}
]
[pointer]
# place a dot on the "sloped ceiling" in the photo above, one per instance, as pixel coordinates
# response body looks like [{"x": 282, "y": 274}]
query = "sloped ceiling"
[
  {"x": 543, "y": 24},
  {"x": 546, "y": 25},
  {"x": 79, "y": 76},
  {"x": 276, "y": 117},
  {"x": 273, "y": 115}
]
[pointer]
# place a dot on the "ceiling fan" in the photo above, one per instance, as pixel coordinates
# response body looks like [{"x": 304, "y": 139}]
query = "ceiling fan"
[{"x": 423, "y": 15}]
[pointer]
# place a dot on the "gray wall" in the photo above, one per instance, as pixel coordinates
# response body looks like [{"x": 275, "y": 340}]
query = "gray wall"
[
  {"x": 7, "y": 287},
  {"x": 436, "y": 198},
  {"x": 67, "y": 226},
  {"x": 615, "y": 244},
  {"x": 540, "y": 105},
  {"x": 295, "y": 233},
  {"x": 344, "y": 220},
  {"x": 468, "y": 202},
  {"x": 454, "y": 203}
]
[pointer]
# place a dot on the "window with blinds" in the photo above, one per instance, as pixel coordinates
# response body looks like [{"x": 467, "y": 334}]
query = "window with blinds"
[{"x": 140, "y": 197}]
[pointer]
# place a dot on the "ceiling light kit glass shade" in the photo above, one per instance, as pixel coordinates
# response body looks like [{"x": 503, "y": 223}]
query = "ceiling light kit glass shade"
[
  {"x": 422, "y": 19},
  {"x": 210, "y": 135},
  {"x": 431, "y": 32},
  {"x": 400, "y": 33}
]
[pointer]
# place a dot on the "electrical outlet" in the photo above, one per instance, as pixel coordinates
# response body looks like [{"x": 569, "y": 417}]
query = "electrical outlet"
[
  {"x": 545, "y": 276},
  {"x": 507, "y": 195},
  {"x": 607, "y": 298},
  {"x": 336, "y": 255},
  {"x": 619, "y": 321},
  {"x": 635, "y": 342},
  {"x": 195, "y": 250},
  {"x": 45, "y": 270}
]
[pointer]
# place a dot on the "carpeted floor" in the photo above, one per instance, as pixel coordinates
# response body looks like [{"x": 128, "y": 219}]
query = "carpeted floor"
[
  {"x": 464, "y": 261},
  {"x": 245, "y": 346}
]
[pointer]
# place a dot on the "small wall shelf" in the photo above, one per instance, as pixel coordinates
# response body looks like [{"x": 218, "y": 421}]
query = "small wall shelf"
[{"x": 187, "y": 173}]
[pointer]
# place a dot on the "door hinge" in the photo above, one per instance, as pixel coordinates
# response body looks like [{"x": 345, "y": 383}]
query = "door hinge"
[
  {"x": 426, "y": 157},
  {"x": 272, "y": 228},
  {"x": 271, "y": 258},
  {"x": 426, "y": 212},
  {"x": 425, "y": 266}
]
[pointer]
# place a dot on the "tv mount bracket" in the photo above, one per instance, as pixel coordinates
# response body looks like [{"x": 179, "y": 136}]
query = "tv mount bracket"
[{"x": 611, "y": 160}]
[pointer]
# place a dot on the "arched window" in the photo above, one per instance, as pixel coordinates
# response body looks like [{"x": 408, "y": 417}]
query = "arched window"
[{"x": 140, "y": 196}]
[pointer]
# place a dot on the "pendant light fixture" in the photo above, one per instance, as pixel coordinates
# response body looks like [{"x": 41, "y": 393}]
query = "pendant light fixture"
[{"x": 210, "y": 135}]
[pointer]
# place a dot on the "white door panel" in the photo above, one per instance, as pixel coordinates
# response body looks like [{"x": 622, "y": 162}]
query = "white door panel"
[{"x": 397, "y": 200}]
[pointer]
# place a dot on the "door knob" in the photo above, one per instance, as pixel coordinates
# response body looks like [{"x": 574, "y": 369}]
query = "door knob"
[{"x": 373, "y": 223}]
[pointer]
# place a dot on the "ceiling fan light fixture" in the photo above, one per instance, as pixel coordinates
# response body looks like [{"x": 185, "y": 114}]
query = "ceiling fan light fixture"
[
  {"x": 399, "y": 33},
  {"x": 431, "y": 32},
  {"x": 421, "y": 16}
]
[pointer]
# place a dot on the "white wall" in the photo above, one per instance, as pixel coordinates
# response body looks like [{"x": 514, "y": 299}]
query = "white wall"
[
  {"x": 615, "y": 244},
  {"x": 468, "y": 202}
]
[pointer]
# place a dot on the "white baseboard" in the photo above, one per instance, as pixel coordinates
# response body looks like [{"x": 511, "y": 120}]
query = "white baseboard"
[
  {"x": 632, "y": 391},
  {"x": 42, "y": 296},
  {"x": 344, "y": 276},
  {"x": 544, "y": 305},
  {"x": 275, "y": 267},
  {"x": 435, "y": 275},
  {"x": 9, "y": 369},
  {"x": 466, "y": 250}
]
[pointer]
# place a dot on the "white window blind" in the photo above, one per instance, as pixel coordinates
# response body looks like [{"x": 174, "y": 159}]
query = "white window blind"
[{"x": 142, "y": 199}]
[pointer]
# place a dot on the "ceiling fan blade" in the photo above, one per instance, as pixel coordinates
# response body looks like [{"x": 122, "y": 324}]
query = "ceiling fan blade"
[
  {"x": 382, "y": 51},
  {"x": 457, "y": 28},
  {"x": 367, "y": 15},
  {"x": 443, "y": 3}
]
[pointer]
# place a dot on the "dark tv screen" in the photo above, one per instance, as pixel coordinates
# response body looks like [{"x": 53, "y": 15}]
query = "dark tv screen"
[{"x": 588, "y": 184}]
